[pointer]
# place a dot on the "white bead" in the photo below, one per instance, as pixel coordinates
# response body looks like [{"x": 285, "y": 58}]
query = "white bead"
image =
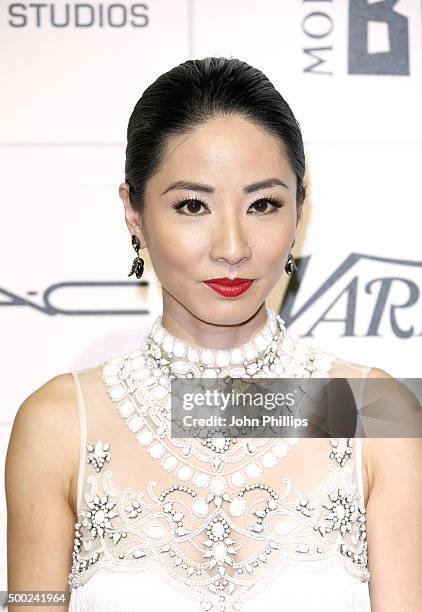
[
  {"x": 222, "y": 359},
  {"x": 179, "y": 349},
  {"x": 253, "y": 470},
  {"x": 200, "y": 506},
  {"x": 250, "y": 352},
  {"x": 280, "y": 449},
  {"x": 179, "y": 367},
  {"x": 144, "y": 437},
  {"x": 193, "y": 356},
  {"x": 158, "y": 335},
  {"x": 220, "y": 551},
  {"x": 159, "y": 392},
  {"x": 126, "y": 408},
  {"x": 207, "y": 357},
  {"x": 218, "y": 486},
  {"x": 201, "y": 480},
  {"x": 117, "y": 392},
  {"x": 236, "y": 356},
  {"x": 168, "y": 344},
  {"x": 237, "y": 506},
  {"x": 169, "y": 463},
  {"x": 110, "y": 370},
  {"x": 184, "y": 472},
  {"x": 269, "y": 460},
  {"x": 237, "y": 372},
  {"x": 156, "y": 450},
  {"x": 238, "y": 478},
  {"x": 252, "y": 369},
  {"x": 135, "y": 423},
  {"x": 217, "y": 529},
  {"x": 219, "y": 443}
]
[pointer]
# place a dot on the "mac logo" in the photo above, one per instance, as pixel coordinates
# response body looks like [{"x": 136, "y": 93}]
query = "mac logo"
[{"x": 68, "y": 292}]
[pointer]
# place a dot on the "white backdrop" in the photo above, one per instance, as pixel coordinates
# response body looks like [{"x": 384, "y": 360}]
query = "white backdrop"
[{"x": 71, "y": 75}]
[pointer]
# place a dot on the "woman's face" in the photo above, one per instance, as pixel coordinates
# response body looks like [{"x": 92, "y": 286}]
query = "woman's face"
[{"x": 219, "y": 232}]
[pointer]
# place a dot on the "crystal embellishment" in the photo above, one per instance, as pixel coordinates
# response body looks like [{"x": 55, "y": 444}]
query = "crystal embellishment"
[{"x": 98, "y": 454}]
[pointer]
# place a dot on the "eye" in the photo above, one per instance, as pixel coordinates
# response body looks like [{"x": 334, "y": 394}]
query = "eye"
[
  {"x": 275, "y": 203},
  {"x": 193, "y": 203}
]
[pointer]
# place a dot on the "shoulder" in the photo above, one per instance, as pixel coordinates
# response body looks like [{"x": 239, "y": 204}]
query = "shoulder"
[
  {"x": 49, "y": 405},
  {"x": 378, "y": 373},
  {"x": 393, "y": 447},
  {"x": 44, "y": 437},
  {"x": 390, "y": 398}
]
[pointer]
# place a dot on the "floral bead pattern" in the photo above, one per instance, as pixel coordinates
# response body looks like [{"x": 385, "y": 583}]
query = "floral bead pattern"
[
  {"x": 341, "y": 451},
  {"x": 336, "y": 518}
]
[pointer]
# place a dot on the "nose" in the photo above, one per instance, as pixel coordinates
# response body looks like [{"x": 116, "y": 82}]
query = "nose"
[{"x": 231, "y": 242}]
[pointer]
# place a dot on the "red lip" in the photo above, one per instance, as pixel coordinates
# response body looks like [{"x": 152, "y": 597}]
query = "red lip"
[
  {"x": 230, "y": 282},
  {"x": 231, "y": 289}
]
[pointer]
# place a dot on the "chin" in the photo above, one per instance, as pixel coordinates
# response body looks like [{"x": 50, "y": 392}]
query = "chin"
[{"x": 232, "y": 313}]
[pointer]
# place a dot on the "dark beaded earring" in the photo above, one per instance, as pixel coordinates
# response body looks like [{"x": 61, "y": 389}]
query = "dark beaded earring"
[
  {"x": 290, "y": 265},
  {"x": 138, "y": 262}
]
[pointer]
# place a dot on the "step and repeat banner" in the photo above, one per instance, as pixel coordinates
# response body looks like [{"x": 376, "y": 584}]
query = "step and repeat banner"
[{"x": 72, "y": 73}]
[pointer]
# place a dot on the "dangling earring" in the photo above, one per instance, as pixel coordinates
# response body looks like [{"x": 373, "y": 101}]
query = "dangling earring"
[
  {"x": 138, "y": 262},
  {"x": 290, "y": 266}
]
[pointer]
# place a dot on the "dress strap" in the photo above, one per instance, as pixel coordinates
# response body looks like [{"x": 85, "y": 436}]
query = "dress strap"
[
  {"x": 82, "y": 437},
  {"x": 364, "y": 371}
]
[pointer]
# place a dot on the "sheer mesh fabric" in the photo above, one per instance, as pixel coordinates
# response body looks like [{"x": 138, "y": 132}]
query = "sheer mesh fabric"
[{"x": 280, "y": 524}]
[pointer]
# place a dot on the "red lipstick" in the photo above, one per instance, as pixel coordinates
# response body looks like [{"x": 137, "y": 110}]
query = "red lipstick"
[{"x": 229, "y": 287}]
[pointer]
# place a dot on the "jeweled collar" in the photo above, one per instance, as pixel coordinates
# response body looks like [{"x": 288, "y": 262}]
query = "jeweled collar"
[{"x": 172, "y": 355}]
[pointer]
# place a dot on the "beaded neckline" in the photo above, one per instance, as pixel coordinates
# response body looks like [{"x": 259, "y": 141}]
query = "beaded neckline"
[{"x": 165, "y": 349}]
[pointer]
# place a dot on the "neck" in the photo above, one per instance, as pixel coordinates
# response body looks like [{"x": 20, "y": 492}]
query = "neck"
[{"x": 181, "y": 324}]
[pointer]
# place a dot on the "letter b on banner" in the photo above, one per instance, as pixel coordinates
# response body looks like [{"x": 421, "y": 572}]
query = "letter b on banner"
[{"x": 395, "y": 59}]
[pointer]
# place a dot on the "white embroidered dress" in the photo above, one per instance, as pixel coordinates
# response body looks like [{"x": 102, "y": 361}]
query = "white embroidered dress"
[{"x": 213, "y": 524}]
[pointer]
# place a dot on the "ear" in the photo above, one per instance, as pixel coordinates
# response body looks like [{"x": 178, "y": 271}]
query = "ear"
[{"x": 134, "y": 219}]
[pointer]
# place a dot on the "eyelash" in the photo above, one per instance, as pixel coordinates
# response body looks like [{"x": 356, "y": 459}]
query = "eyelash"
[{"x": 271, "y": 199}]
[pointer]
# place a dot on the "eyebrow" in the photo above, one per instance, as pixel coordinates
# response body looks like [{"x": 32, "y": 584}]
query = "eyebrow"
[{"x": 271, "y": 182}]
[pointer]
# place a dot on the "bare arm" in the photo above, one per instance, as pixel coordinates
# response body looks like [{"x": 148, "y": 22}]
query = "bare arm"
[
  {"x": 394, "y": 521},
  {"x": 41, "y": 460}
]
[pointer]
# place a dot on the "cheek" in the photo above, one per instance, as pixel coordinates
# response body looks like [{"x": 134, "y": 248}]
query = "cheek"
[
  {"x": 272, "y": 243},
  {"x": 174, "y": 247}
]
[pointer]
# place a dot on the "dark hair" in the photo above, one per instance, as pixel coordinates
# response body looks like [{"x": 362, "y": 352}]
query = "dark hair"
[{"x": 198, "y": 90}]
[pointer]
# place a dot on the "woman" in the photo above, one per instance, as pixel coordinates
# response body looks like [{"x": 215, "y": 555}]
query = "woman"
[{"x": 103, "y": 498}]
